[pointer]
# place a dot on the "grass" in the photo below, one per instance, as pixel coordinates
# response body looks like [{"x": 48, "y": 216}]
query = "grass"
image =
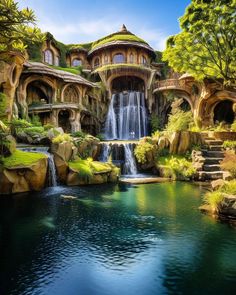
[
  {"x": 75, "y": 70},
  {"x": 117, "y": 37},
  {"x": 21, "y": 158}
]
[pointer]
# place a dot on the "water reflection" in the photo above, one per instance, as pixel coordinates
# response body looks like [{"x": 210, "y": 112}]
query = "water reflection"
[{"x": 114, "y": 239}]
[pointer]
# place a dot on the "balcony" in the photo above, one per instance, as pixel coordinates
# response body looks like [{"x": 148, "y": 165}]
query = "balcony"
[
  {"x": 111, "y": 66},
  {"x": 175, "y": 84}
]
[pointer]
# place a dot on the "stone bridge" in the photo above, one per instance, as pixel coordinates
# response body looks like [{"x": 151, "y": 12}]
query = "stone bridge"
[{"x": 170, "y": 84}]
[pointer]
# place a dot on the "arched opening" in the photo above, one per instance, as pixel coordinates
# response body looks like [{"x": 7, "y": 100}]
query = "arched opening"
[
  {"x": 131, "y": 58},
  {"x": 143, "y": 60},
  {"x": 127, "y": 83},
  {"x": 38, "y": 93},
  {"x": 44, "y": 116},
  {"x": 76, "y": 62},
  {"x": 57, "y": 61},
  {"x": 223, "y": 112},
  {"x": 64, "y": 120},
  {"x": 185, "y": 106},
  {"x": 118, "y": 58},
  {"x": 96, "y": 62},
  {"x": 71, "y": 94},
  {"x": 48, "y": 56},
  {"x": 87, "y": 124}
]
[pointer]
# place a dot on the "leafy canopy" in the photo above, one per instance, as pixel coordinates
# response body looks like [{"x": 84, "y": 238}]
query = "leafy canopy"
[
  {"x": 206, "y": 46},
  {"x": 17, "y": 27}
]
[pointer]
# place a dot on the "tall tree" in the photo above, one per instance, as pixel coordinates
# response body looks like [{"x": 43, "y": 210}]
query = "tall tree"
[
  {"x": 206, "y": 46},
  {"x": 17, "y": 27}
]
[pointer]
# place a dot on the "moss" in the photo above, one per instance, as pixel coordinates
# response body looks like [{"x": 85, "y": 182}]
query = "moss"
[
  {"x": 74, "y": 70},
  {"x": 62, "y": 138},
  {"x": 20, "y": 158},
  {"x": 117, "y": 37},
  {"x": 3, "y": 106},
  {"x": 35, "y": 51},
  {"x": 86, "y": 46},
  {"x": 113, "y": 66},
  {"x": 88, "y": 167}
]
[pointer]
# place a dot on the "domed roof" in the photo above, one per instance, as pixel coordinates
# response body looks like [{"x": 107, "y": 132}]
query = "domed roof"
[{"x": 122, "y": 37}]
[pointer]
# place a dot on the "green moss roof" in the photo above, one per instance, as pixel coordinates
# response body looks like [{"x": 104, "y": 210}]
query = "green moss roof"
[
  {"x": 118, "y": 37},
  {"x": 20, "y": 158}
]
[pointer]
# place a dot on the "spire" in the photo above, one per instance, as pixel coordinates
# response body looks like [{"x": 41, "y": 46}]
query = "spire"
[{"x": 123, "y": 28}]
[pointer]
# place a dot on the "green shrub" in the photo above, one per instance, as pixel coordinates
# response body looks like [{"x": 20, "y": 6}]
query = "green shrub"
[
  {"x": 48, "y": 126},
  {"x": 3, "y": 106},
  {"x": 229, "y": 187},
  {"x": 145, "y": 145},
  {"x": 229, "y": 162},
  {"x": 176, "y": 167},
  {"x": 80, "y": 134},
  {"x": 100, "y": 136},
  {"x": 34, "y": 130},
  {"x": 213, "y": 199},
  {"x": 17, "y": 125},
  {"x": 233, "y": 126},
  {"x": 62, "y": 138},
  {"x": 155, "y": 123},
  {"x": 231, "y": 144},
  {"x": 35, "y": 121},
  {"x": 179, "y": 121}
]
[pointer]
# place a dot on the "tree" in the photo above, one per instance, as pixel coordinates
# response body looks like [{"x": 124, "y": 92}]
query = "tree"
[
  {"x": 206, "y": 46},
  {"x": 17, "y": 27}
]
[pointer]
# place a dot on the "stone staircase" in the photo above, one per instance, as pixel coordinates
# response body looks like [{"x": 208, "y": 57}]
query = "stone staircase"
[{"x": 212, "y": 154}]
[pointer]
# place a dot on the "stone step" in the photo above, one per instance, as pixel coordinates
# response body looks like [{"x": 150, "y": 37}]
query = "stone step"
[
  {"x": 207, "y": 175},
  {"x": 212, "y": 161},
  {"x": 213, "y": 154},
  {"x": 215, "y": 148},
  {"x": 213, "y": 142},
  {"x": 211, "y": 167}
]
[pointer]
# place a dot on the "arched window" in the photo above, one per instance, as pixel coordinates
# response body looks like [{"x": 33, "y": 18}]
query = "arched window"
[
  {"x": 76, "y": 62},
  {"x": 118, "y": 58},
  {"x": 48, "y": 56},
  {"x": 131, "y": 58},
  {"x": 143, "y": 60},
  {"x": 96, "y": 62},
  {"x": 56, "y": 61},
  {"x": 106, "y": 59}
]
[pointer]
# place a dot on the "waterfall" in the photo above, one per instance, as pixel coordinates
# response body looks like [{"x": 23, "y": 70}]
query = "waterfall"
[
  {"x": 52, "y": 175},
  {"x": 130, "y": 167},
  {"x": 127, "y": 116},
  {"x": 106, "y": 151}
]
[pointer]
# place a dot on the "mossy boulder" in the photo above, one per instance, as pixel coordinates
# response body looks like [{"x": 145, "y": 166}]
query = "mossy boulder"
[
  {"x": 23, "y": 172},
  {"x": 8, "y": 146}
]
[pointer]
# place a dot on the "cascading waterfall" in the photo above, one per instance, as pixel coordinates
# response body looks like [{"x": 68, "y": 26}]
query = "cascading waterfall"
[
  {"x": 106, "y": 151},
  {"x": 127, "y": 116},
  {"x": 52, "y": 175},
  {"x": 130, "y": 167}
]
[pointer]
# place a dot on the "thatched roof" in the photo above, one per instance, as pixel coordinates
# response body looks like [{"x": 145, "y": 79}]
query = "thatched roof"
[{"x": 41, "y": 68}]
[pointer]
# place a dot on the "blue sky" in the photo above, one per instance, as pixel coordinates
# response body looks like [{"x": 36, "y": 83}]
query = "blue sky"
[{"x": 80, "y": 21}]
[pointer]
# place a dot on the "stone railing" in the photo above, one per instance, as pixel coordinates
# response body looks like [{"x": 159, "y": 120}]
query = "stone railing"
[
  {"x": 126, "y": 63},
  {"x": 172, "y": 84}
]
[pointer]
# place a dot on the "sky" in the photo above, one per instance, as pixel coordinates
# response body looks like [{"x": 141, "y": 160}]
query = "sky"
[{"x": 81, "y": 21}]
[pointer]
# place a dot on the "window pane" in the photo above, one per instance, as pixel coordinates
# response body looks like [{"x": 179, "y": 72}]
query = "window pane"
[
  {"x": 118, "y": 58},
  {"x": 76, "y": 62},
  {"x": 48, "y": 57},
  {"x": 56, "y": 61}
]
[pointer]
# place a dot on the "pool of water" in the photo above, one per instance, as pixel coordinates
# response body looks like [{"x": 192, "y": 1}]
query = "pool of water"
[{"x": 108, "y": 240}]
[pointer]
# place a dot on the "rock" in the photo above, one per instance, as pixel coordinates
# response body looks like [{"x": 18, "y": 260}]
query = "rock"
[
  {"x": 9, "y": 146},
  {"x": 163, "y": 143},
  {"x": 174, "y": 142},
  {"x": 24, "y": 178},
  {"x": 184, "y": 142},
  {"x": 61, "y": 167},
  {"x": 63, "y": 150},
  {"x": 68, "y": 197},
  {"x": 228, "y": 206},
  {"x": 53, "y": 132},
  {"x": 227, "y": 176},
  {"x": 215, "y": 184}
]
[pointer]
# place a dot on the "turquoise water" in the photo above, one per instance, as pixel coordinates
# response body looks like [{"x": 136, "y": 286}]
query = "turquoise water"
[{"x": 123, "y": 239}]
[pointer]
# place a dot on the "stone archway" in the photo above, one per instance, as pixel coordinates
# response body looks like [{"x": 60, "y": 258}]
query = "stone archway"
[
  {"x": 127, "y": 83},
  {"x": 223, "y": 112},
  {"x": 38, "y": 92}
]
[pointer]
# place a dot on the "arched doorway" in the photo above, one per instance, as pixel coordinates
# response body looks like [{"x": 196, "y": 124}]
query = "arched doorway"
[
  {"x": 127, "y": 83},
  {"x": 38, "y": 93},
  {"x": 64, "y": 120},
  {"x": 223, "y": 112}
]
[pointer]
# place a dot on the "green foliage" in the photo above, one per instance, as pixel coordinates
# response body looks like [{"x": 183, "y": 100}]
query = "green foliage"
[
  {"x": 179, "y": 121},
  {"x": 176, "y": 167},
  {"x": 117, "y": 37},
  {"x": 233, "y": 126},
  {"x": 3, "y": 106},
  {"x": 229, "y": 187},
  {"x": 145, "y": 145},
  {"x": 231, "y": 144},
  {"x": 213, "y": 199},
  {"x": 62, "y": 138},
  {"x": 35, "y": 121},
  {"x": 85, "y": 46},
  {"x": 17, "y": 125},
  {"x": 20, "y": 158},
  {"x": 206, "y": 45},
  {"x": 100, "y": 136},
  {"x": 155, "y": 123},
  {"x": 229, "y": 163},
  {"x": 17, "y": 26},
  {"x": 80, "y": 134},
  {"x": 35, "y": 130},
  {"x": 48, "y": 127},
  {"x": 35, "y": 51}
]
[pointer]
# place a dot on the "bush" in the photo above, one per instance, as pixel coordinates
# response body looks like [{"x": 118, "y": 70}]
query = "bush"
[
  {"x": 176, "y": 167},
  {"x": 229, "y": 144},
  {"x": 155, "y": 123},
  {"x": 34, "y": 130},
  {"x": 78, "y": 134},
  {"x": 213, "y": 199},
  {"x": 48, "y": 126},
  {"x": 233, "y": 126},
  {"x": 62, "y": 138},
  {"x": 3, "y": 106},
  {"x": 229, "y": 163},
  {"x": 179, "y": 121},
  {"x": 144, "y": 146},
  {"x": 18, "y": 125},
  {"x": 35, "y": 121}
]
